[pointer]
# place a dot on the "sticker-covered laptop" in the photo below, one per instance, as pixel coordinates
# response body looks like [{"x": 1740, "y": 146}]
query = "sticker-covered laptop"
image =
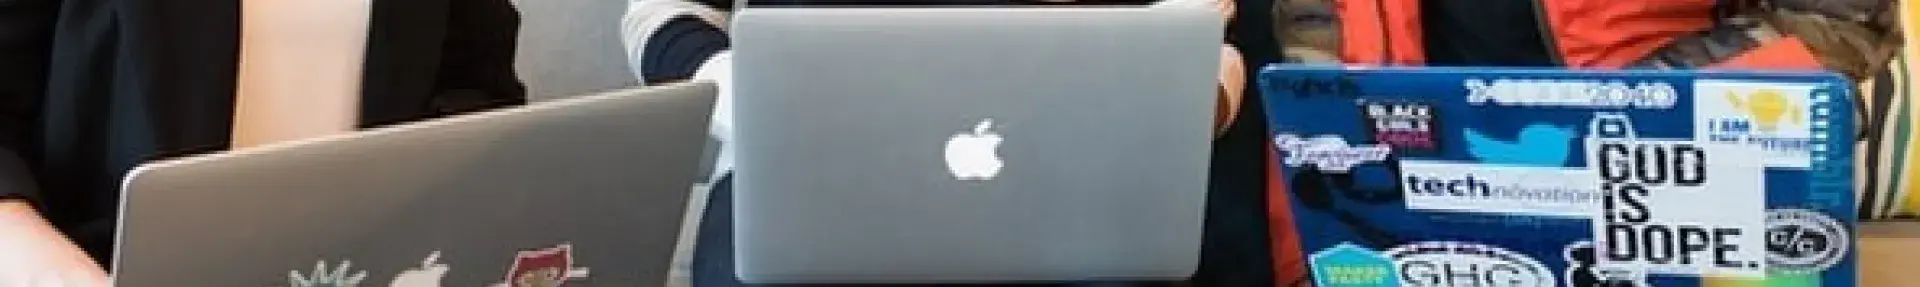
[{"x": 1514, "y": 177}]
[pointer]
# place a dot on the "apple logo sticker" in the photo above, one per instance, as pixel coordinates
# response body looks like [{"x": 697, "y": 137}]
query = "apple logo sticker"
[
  {"x": 428, "y": 274},
  {"x": 974, "y": 155}
]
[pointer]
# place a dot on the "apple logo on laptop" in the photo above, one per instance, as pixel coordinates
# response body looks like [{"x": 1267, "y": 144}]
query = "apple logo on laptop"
[
  {"x": 974, "y": 155},
  {"x": 428, "y": 274}
]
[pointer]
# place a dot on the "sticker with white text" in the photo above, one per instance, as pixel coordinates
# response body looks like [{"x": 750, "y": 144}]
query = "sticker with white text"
[
  {"x": 1348, "y": 265},
  {"x": 1801, "y": 241},
  {"x": 1499, "y": 189},
  {"x": 1448, "y": 264},
  {"x": 1777, "y": 118},
  {"x": 1327, "y": 153}
]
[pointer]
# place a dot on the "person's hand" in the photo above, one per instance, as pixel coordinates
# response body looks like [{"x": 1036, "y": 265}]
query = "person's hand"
[
  {"x": 1233, "y": 73},
  {"x": 1233, "y": 80},
  {"x": 36, "y": 255},
  {"x": 1233, "y": 77}
]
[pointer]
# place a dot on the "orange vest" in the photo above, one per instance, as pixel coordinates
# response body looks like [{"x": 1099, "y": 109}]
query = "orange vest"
[
  {"x": 1587, "y": 34},
  {"x": 1602, "y": 34}
]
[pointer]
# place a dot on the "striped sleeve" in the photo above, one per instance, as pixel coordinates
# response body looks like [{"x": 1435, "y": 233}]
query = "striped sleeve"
[
  {"x": 1886, "y": 146},
  {"x": 1887, "y": 153}
]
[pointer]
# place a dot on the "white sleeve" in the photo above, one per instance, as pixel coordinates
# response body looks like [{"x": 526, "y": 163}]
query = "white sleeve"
[
  {"x": 643, "y": 17},
  {"x": 719, "y": 69}
]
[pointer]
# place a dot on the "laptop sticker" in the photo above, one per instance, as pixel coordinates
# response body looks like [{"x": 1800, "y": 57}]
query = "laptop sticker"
[
  {"x": 1780, "y": 119},
  {"x": 1408, "y": 127},
  {"x": 548, "y": 267},
  {"x": 1449, "y": 186},
  {"x": 1328, "y": 153},
  {"x": 1802, "y": 241},
  {"x": 324, "y": 277},
  {"x": 1534, "y": 145},
  {"x": 1650, "y": 217},
  {"x": 1453, "y": 263},
  {"x": 1584, "y": 270},
  {"x": 1348, "y": 265},
  {"x": 428, "y": 274}
]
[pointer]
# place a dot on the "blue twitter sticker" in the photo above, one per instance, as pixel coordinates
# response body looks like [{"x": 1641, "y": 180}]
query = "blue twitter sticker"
[{"x": 1534, "y": 145}]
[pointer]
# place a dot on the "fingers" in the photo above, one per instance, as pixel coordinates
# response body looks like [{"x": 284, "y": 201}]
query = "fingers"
[
  {"x": 1232, "y": 90},
  {"x": 1227, "y": 9},
  {"x": 1233, "y": 77}
]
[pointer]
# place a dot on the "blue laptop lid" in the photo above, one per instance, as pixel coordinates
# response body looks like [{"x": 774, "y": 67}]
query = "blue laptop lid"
[{"x": 1504, "y": 177}]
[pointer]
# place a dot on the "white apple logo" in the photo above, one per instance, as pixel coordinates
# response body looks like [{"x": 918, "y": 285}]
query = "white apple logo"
[
  {"x": 427, "y": 275},
  {"x": 974, "y": 155}
]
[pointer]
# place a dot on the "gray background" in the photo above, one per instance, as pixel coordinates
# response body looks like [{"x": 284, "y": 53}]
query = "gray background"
[{"x": 571, "y": 47}]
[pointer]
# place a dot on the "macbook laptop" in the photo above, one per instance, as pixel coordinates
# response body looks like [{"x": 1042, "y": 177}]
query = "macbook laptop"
[
  {"x": 586, "y": 191},
  {"x": 961, "y": 144}
]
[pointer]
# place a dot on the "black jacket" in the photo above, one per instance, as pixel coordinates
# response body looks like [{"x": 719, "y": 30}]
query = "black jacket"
[{"x": 90, "y": 88}]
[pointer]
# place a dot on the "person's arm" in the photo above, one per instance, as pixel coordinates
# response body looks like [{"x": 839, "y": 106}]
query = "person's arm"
[
  {"x": 38, "y": 255},
  {"x": 36, "y": 252}
]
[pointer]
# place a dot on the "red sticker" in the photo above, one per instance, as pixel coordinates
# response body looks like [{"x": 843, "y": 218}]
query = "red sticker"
[{"x": 549, "y": 267}]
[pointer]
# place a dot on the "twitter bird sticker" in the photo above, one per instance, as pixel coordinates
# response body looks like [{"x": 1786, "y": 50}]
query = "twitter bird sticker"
[{"x": 1536, "y": 145}]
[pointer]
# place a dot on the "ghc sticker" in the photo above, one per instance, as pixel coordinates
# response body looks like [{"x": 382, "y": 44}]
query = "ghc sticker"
[
  {"x": 1446, "y": 264},
  {"x": 1327, "y": 153}
]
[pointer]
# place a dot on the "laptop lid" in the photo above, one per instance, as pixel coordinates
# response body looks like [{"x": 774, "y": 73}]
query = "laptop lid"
[
  {"x": 972, "y": 144},
  {"x": 589, "y": 190}
]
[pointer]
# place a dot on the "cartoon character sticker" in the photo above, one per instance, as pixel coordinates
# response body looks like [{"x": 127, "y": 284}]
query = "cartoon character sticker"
[
  {"x": 323, "y": 277},
  {"x": 549, "y": 267}
]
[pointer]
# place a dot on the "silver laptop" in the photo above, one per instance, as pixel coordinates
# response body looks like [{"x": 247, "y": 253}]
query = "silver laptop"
[
  {"x": 586, "y": 191},
  {"x": 972, "y": 144}
]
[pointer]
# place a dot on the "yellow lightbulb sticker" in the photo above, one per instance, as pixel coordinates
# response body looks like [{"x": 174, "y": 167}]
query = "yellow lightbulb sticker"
[{"x": 1767, "y": 107}]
